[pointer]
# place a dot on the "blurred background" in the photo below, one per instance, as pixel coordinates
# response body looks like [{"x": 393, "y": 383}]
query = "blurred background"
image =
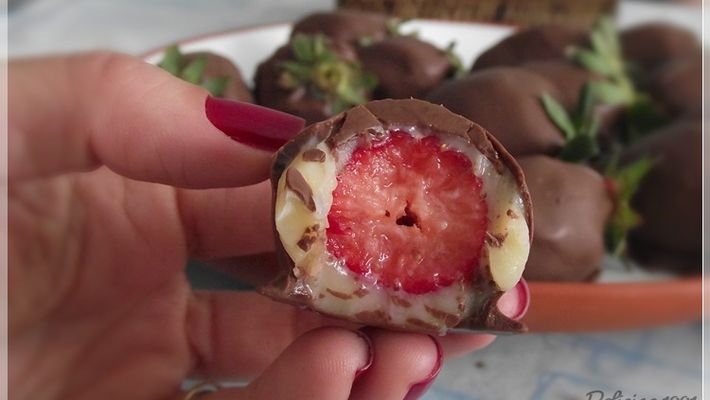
[{"x": 655, "y": 362}]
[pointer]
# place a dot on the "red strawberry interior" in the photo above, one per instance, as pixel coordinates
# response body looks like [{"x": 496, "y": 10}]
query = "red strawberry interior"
[{"x": 409, "y": 214}]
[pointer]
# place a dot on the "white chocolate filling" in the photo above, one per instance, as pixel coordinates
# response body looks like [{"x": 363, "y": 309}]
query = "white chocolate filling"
[{"x": 336, "y": 290}]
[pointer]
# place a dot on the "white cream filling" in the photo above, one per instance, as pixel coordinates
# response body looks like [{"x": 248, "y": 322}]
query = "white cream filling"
[{"x": 338, "y": 291}]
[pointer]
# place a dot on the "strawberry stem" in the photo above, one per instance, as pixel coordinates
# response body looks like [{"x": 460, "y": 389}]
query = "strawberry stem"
[
  {"x": 325, "y": 74},
  {"x": 174, "y": 62}
]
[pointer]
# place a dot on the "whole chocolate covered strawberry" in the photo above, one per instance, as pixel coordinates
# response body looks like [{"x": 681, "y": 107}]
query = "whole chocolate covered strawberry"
[
  {"x": 212, "y": 71},
  {"x": 406, "y": 66},
  {"x": 313, "y": 77},
  {"x": 347, "y": 26},
  {"x": 651, "y": 45},
  {"x": 505, "y": 101},
  {"x": 669, "y": 199},
  {"x": 400, "y": 214},
  {"x": 571, "y": 209},
  {"x": 545, "y": 42}
]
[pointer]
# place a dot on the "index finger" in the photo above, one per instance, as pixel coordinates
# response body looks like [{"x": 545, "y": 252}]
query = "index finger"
[{"x": 78, "y": 112}]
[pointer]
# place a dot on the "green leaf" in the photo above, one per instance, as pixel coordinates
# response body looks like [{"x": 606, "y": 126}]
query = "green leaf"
[
  {"x": 301, "y": 72},
  {"x": 366, "y": 41},
  {"x": 368, "y": 81},
  {"x": 643, "y": 116},
  {"x": 600, "y": 44},
  {"x": 194, "y": 70},
  {"x": 610, "y": 93},
  {"x": 393, "y": 26},
  {"x": 627, "y": 181},
  {"x": 607, "y": 28},
  {"x": 631, "y": 176},
  {"x": 557, "y": 114},
  {"x": 302, "y": 47},
  {"x": 454, "y": 59},
  {"x": 585, "y": 106},
  {"x": 592, "y": 61},
  {"x": 216, "y": 86},
  {"x": 579, "y": 148},
  {"x": 172, "y": 60}
]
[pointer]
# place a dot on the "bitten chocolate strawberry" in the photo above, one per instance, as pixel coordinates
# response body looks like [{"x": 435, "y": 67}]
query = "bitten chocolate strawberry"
[{"x": 400, "y": 214}]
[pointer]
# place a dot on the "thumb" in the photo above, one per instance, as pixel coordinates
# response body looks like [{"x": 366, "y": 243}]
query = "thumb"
[{"x": 79, "y": 112}]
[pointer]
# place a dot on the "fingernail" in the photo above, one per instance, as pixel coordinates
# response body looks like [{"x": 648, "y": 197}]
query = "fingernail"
[
  {"x": 418, "y": 389},
  {"x": 253, "y": 125},
  {"x": 370, "y": 352},
  {"x": 515, "y": 302},
  {"x": 524, "y": 293}
]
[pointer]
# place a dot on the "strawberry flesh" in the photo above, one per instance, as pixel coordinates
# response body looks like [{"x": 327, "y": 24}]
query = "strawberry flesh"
[{"x": 408, "y": 214}]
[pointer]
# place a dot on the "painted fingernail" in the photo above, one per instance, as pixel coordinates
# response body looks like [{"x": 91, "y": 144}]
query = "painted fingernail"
[
  {"x": 418, "y": 389},
  {"x": 515, "y": 302},
  {"x": 371, "y": 354},
  {"x": 253, "y": 125}
]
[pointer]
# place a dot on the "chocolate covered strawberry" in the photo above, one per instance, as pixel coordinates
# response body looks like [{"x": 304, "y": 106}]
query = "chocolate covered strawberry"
[
  {"x": 212, "y": 71},
  {"x": 400, "y": 214}
]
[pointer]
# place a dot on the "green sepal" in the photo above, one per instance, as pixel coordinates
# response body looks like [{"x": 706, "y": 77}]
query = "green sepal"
[
  {"x": 325, "y": 74},
  {"x": 454, "y": 59},
  {"x": 643, "y": 116},
  {"x": 579, "y": 148},
  {"x": 591, "y": 61},
  {"x": 611, "y": 94},
  {"x": 216, "y": 86},
  {"x": 194, "y": 70},
  {"x": 172, "y": 61},
  {"x": 626, "y": 182},
  {"x": 557, "y": 113}
]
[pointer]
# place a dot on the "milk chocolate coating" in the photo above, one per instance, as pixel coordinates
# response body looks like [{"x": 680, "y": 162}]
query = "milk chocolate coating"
[
  {"x": 571, "y": 209},
  {"x": 298, "y": 102},
  {"x": 344, "y": 25},
  {"x": 651, "y": 45},
  {"x": 568, "y": 78},
  {"x": 670, "y": 197},
  {"x": 405, "y": 66},
  {"x": 372, "y": 120},
  {"x": 506, "y": 102},
  {"x": 218, "y": 66},
  {"x": 678, "y": 86},
  {"x": 545, "y": 42}
]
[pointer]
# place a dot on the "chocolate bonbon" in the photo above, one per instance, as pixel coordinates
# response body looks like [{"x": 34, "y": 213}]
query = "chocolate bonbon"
[{"x": 400, "y": 214}]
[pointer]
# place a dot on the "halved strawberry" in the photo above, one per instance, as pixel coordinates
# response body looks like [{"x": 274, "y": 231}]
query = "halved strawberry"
[{"x": 409, "y": 214}]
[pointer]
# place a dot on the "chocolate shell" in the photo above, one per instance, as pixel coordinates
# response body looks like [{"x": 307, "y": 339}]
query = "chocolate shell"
[
  {"x": 405, "y": 66},
  {"x": 506, "y": 102},
  {"x": 218, "y": 66},
  {"x": 545, "y": 42},
  {"x": 568, "y": 78},
  {"x": 268, "y": 92},
  {"x": 344, "y": 25},
  {"x": 653, "y": 44},
  {"x": 304, "y": 177},
  {"x": 571, "y": 209},
  {"x": 670, "y": 197},
  {"x": 678, "y": 86}
]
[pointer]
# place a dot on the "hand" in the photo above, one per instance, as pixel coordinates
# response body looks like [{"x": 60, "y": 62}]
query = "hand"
[{"x": 116, "y": 177}]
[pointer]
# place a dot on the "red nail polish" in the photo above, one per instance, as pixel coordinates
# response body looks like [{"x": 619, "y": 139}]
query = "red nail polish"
[
  {"x": 253, "y": 125},
  {"x": 371, "y": 354},
  {"x": 418, "y": 389},
  {"x": 515, "y": 302}
]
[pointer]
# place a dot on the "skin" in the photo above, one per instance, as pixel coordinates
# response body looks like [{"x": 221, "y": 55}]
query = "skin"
[{"x": 116, "y": 177}]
